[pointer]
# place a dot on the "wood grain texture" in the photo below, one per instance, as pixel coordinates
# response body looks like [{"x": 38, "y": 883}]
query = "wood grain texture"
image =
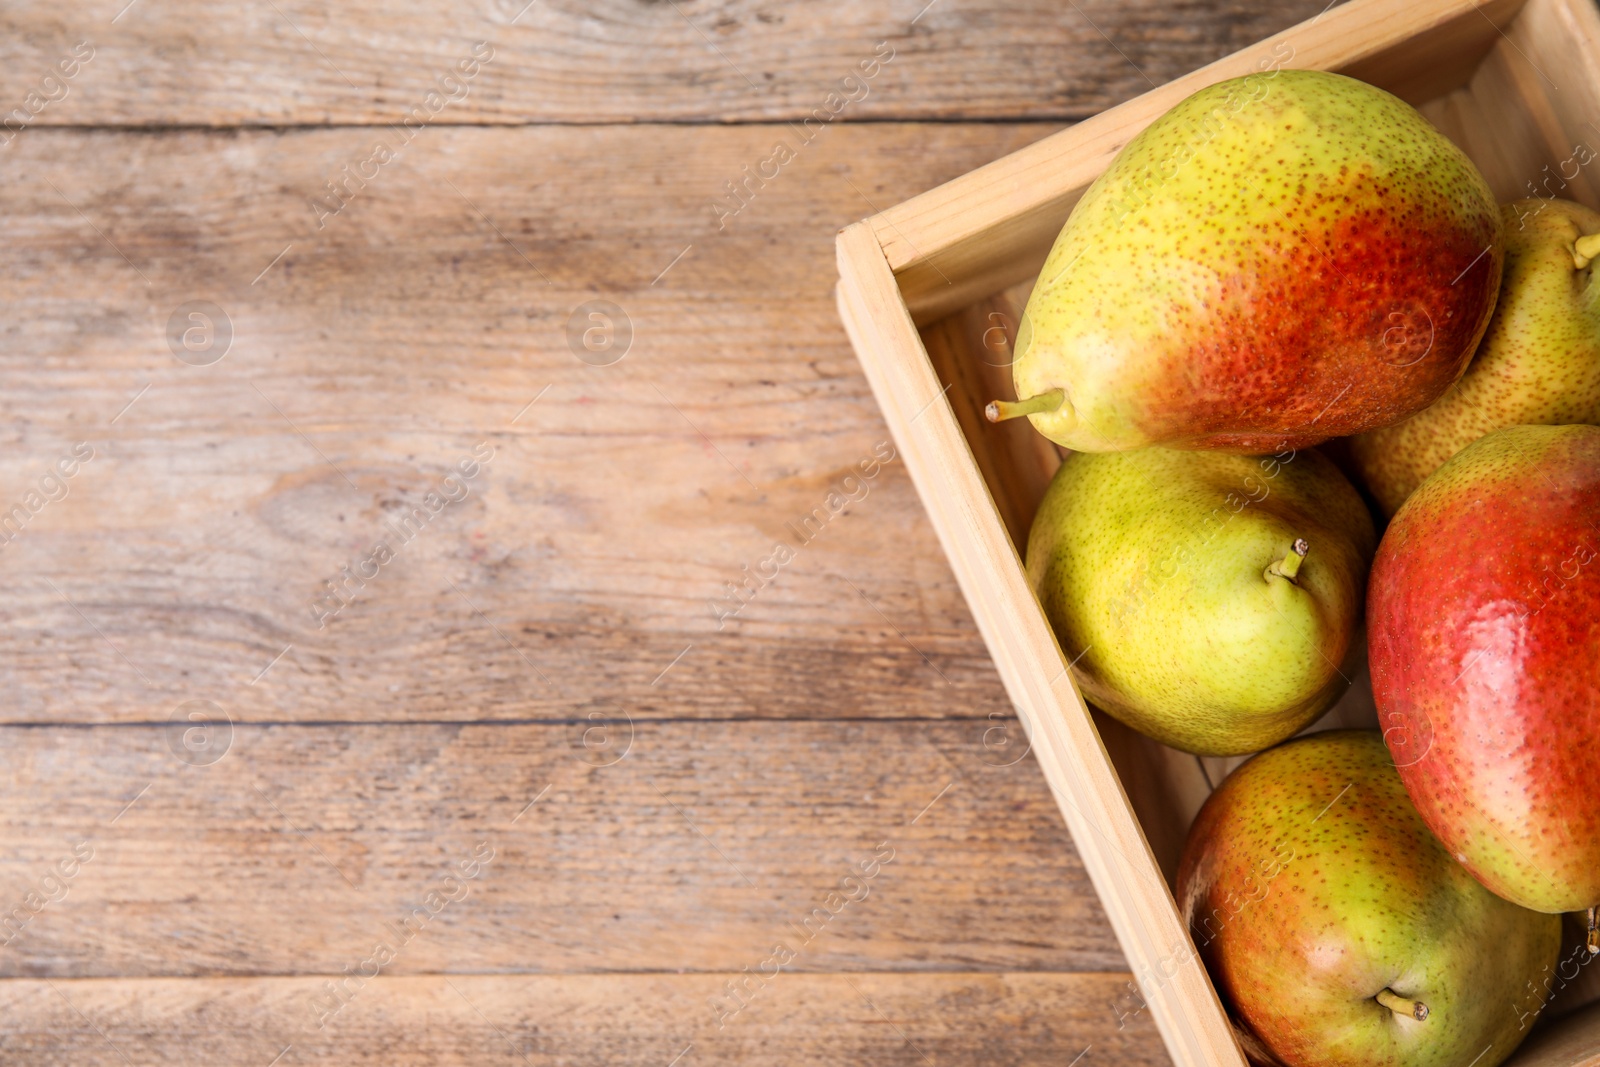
[
  {"x": 1573, "y": 1042},
  {"x": 1036, "y": 672},
  {"x": 1011, "y": 455},
  {"x": 702, "y": 844},
  {"x": 375, "y": 354},
  {"x": 298, "y": 62},
  {"x": 1005, "y": 1020}
]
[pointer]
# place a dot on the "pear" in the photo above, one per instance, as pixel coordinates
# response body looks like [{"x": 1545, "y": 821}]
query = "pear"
[
  {"x": 1484, "y": 623},
  {"x": 1338, "y": 929},
  {"x": 1538, "y": 363},
  {"x": 1278, "y": 260},
  {"x": 1207, "y": 600}
]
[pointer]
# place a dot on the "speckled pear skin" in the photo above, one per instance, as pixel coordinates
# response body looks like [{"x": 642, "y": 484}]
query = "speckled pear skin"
[
  {"x": 1278, "y": 260},
  {"x": 1151, "y": 566},
  {"x": 1484, "y": 635},
  {"x": 1538, "y": 363},
  {"x": 1310, "y": 884}
]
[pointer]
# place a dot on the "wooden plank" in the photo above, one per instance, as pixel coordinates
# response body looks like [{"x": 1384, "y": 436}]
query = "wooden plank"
[
  {"x": 297, "y": 62},
  {"x": 1036, "y": 673},
  {"x": 1010, "y": 455},
  {"x": 379, "y": 350},
  {"x": 1559, "y": 39},
  {"x": 1532, "y": 135},
  {"x": 532, "y": 1021},
  {"x": 1506, "y": 121},
  {"x": 1572, "y": 1042},
  {"x": 993, "y": 227},
  {"x": 661, "y": 847}
]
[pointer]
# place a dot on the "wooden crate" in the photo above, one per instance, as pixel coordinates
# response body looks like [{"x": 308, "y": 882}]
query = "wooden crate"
[{"x": 930, "y": 293}]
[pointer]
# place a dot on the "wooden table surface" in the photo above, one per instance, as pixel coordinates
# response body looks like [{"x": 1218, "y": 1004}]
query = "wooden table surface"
[{"x": 525, "y": 783}]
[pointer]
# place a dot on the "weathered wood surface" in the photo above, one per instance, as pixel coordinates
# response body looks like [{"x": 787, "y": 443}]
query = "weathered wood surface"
[
  {"x": 380, "y": 350},
  {"x": 1006, "y": 1020},
  {"x": 294, "y": 62},
  {"x": 510, "y": 650},
  {"x": 661, "y": 847}
]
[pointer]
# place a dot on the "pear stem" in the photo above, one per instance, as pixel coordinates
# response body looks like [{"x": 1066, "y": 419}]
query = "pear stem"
[
  {"x": 1414, "y": 1009},
  {"x": 1593, "y": 941},
  {"x": 1289, "y": 565},
  {"x": 1585, "y": 249},
  {"x": 1044, "y": 403}
]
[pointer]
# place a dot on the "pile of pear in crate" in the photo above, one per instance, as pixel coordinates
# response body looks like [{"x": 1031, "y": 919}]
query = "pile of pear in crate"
[{"x": 1278, "y": 262}]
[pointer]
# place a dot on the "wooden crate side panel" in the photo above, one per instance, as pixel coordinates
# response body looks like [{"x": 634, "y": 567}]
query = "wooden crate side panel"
[
  {"x": 1439, "y": 56},
  {"x": 1504, "y": 159},
  {"x": 971, "y": 353},
  {"x": 1177, "y": 991},
  {"x": 1558, "y": 41},
  {"x": 980, "y": 273},
  {"x": 1166, "y": 788},
  {"x": 1511, "y": 129},
  {"x": 1572, "y": 1042}
]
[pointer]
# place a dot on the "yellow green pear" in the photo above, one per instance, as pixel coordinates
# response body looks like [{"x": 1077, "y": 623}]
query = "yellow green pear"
[
  {"x": 1538, "y": 363},
  {"x": 1280, "y": 259},
  {"x": 1210, "y": 601}
]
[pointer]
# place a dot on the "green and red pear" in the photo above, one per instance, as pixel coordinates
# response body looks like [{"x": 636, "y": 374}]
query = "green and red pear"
[
  {"x": 1538, "y": 363},
  {"x": 1338, "y": 929},
  {"x": 1483, "y": 617},
  {"x": 1278, "y": 260}
]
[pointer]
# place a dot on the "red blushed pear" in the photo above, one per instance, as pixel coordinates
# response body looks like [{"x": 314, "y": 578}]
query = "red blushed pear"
[
  {"x": 1537, "y": 365},
  {"x": 1338, "y": 929},
  {"x": 1483, "y": 616},
  {"x": 1280, "y": 259}
]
